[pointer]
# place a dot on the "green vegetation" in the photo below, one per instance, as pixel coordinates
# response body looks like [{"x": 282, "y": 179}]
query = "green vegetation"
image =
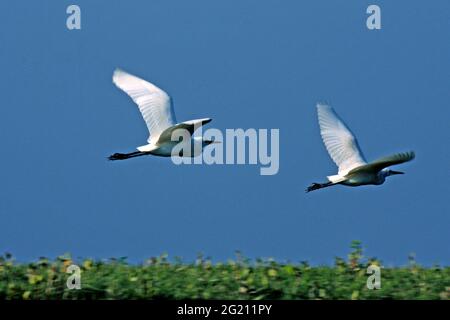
[{"x": 240, "y": 279}]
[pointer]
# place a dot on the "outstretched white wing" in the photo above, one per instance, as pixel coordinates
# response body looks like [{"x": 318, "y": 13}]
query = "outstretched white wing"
[
  {"x": 340, "y": 142},
  {"x": 154, "y": 104},
  {"x": 385, "y": 162}
]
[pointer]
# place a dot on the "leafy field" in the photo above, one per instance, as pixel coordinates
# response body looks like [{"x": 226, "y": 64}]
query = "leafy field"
[{"x": 158, "y": 278}]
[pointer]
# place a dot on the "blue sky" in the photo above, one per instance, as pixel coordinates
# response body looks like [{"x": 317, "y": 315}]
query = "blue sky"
[{"x": 246, "y": 64}]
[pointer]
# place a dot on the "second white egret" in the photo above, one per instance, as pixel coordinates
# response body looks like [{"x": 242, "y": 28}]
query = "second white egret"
[{"x": 343, "y": 148}]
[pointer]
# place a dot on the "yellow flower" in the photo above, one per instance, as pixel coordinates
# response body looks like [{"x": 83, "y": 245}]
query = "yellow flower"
[
  {"x": 355, "y": 295},
  {"x": 33, "y": 279},
  {"x": 242, "y": 290},
  {"x": 272, "y": 272},
  {"x": 87, "y": 264}
]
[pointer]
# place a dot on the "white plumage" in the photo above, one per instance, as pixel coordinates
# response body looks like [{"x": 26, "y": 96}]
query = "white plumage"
[
  {"x": 155, "y": 104},
  {"x": 157, "y": 110},
  {"x": 340, "y": 142},
  {"x": 343, "y": 148}
]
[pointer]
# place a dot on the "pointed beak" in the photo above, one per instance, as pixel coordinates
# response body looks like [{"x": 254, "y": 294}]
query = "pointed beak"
[
  {"x": 397, "y": 172},
  {"x": 208, "y": 142}
]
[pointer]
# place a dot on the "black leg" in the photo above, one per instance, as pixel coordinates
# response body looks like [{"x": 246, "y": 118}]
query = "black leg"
[
  {"x": 123, "y": 156},
  {"x": 316, "y": 186}
]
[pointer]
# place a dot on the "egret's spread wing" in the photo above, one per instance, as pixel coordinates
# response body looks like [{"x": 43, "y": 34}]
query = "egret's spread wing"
[
  {"x": 154, "y": 104},
  {"x": 191, "y": 126},
  {"x": 340, "y": 142},
  {"x": 385, "y": 162}
]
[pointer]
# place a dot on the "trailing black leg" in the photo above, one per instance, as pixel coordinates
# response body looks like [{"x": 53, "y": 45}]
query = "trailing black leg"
[
  {"x": 316, "y": 186},
  {"x": 123, "y": 156}
]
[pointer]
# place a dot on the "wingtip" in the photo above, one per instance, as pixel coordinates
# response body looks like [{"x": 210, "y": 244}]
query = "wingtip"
[
  {"x": 409, "y": 154},
  {"x": 322, "y": 104},
  {"x": 117, "y": 72}
]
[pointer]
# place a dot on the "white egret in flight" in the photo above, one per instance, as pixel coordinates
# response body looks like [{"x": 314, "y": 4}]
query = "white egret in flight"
[
  {"x": 157, "y": 110},
  {"x": 343, "y": 148}
]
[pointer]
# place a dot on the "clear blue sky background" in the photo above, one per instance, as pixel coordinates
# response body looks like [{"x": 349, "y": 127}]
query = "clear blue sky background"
[{"x": 246, "y": 64}]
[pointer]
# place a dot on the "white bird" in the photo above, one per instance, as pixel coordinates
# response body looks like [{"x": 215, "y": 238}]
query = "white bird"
[
  {"x": 343, "y": 148},
  {"x": 157, "y": 110}
]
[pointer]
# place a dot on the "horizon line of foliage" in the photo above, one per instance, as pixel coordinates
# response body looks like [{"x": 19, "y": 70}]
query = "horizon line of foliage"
[{"x": 158, "y": 278}]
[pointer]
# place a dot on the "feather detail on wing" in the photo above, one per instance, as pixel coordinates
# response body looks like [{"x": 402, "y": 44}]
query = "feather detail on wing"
[
  {"x": 339, "y": 141},
  {"x": 155, "y": 104}
]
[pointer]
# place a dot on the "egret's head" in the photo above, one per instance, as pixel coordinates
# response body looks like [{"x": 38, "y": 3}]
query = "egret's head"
[{"x": 392, "y": 172}]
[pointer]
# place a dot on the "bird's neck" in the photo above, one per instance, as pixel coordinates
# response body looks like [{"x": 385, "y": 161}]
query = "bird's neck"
[{"x": 383, "y": 174}]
